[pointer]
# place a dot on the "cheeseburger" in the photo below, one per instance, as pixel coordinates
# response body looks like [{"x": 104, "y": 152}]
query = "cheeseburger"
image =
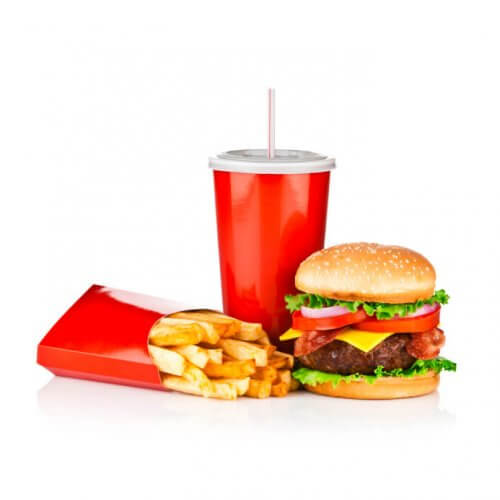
[{"x": 367, "y": 323}]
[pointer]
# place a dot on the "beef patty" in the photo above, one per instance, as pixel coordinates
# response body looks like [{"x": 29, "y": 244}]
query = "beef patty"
[{"x": 341, "y": 357}]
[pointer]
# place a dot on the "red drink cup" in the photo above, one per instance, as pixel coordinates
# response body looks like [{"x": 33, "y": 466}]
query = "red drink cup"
[{"x": 271, "y": 214}]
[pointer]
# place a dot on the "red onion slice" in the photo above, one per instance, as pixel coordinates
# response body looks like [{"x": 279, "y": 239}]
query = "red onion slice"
[
  {"x": 324, "y": 312},
  {"x": 425, "y": 309},
  {"x": 330, "y": 312}
]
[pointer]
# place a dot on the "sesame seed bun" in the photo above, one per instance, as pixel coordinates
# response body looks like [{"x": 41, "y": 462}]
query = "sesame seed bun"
[
  {"x": 382, "y": 388},
  {"x": 369, "y": 272}
]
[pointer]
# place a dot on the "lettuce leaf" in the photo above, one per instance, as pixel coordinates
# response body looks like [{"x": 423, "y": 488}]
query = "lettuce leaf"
[
  {"x": 419, "y": 367},
  {"x": 378, "y": 309}
]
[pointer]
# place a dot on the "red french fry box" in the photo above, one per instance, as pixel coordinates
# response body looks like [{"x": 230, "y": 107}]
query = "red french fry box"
[{"x": 104, "y": 337}]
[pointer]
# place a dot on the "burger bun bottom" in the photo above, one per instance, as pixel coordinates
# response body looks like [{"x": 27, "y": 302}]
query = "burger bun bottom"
[{"x": 382, "y": 388}]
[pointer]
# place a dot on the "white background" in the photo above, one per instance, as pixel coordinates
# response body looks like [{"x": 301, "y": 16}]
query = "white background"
[{"x": 108, "y": 112}]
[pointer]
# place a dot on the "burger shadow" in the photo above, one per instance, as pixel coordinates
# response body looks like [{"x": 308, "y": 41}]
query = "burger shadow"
[
  {"x": 79, "y": 401},
  {"x": 408, "y": 414}
]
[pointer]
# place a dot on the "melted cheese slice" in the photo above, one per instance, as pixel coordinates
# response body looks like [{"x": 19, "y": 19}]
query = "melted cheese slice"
[
  {"x": 291, "y": 334},
  {"x": 362, "y": 340}
]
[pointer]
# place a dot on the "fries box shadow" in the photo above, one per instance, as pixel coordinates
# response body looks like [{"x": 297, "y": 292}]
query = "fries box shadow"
[{"x": 114, "y": 404}]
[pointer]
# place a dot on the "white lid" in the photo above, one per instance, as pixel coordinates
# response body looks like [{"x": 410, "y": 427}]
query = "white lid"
[{"x": 285, "y": 161}]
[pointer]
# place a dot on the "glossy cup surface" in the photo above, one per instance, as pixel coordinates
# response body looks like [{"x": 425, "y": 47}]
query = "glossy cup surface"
[{"x": 267, "y": 224}]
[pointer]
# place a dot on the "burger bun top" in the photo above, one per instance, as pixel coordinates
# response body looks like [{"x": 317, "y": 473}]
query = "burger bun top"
[{"x": 368, "y": 272}]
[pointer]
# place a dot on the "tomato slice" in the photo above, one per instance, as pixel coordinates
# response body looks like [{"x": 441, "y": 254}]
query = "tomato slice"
[
  {"x": 300, "y": 322},
  {"x": 402, "y": 325}
]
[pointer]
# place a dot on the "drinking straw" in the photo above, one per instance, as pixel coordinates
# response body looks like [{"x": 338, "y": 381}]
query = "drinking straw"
[{"x": 271, "y": 124}]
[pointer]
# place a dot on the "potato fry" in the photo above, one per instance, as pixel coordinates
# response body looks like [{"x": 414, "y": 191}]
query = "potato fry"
[
  {"x": 285, "y": 376},
  {"x": 215, "y": 355},
  {"x": 209, "y": 332},
  {"x": 266, "y": 373},
  {"x": 241, "y": 350},
  {"x": 213, "y": 323},
  {"x": 264, "y": 339},
  {"x": 269, "y": 349},
  {"x": 240, "y": 384},
  {"x": 170, "y": 332},
  {"x": 216, "y": 314},
  {"x": 166, "y": 360},
  {"x": 194, "y": 354},
  {"x": 214, "y": 390},
  {"x": 235, "y": 324},
  {"x": 287, "y": 357},
  {"x": 181, "y": 384},
  {"x": 294, "y": 385},
  {"x": 249, "y": 332},
  {"x": 259, "y": 389},
  {"x": 280, "y": 390},
  {"x": 277, "y": 362},
  {"x": 222, "y": 390},
  {"x": 231, "y": 369},
  {"x": 194, "y": 374}
]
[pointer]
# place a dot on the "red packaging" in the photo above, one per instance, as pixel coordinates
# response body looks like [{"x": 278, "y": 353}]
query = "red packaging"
[
  {"x": 271, "y": 215},
  {"x": 104, "y": 336}
]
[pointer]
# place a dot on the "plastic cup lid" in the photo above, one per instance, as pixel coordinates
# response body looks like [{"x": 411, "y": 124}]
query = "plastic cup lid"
[{"x": 285, "y": 161}]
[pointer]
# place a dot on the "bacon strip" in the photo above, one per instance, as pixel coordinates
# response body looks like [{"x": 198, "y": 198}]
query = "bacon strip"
[
  {"x": 311, "y": 341},
  {"x": 426, "y": 345}
]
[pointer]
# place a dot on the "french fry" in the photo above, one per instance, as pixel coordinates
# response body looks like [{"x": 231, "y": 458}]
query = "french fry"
[
  {"x": 280, "y": 390},
  {"x": 231, "y": 369},
  {"x": 259, "y": 389},
  {"x": 294, "y": 385},
  {"x": 181, "y": 384},
  {"x": 213, "y": 323},
  {"x": 223, "y": 390},
  {"x": 215, "y": 355},
  {"x": 249, "y": 332},
  {"x": 214, "y": 390},
  {"x": 196, "y": 355},
  {"x": 277, "y": 362},
  {"x": 166, "y": 360},
  {"x": 170, "y": 332},
  {"x": 264, "y": 339},
  {"x": 195, "y": 375},
  {"x": 287, "y": 357},
  {"x": 240, "y": 384},
  {"x": 233, "y": 325},
  {"x": 285, "y": 376},
  {"x": 269, "y": 349},
  {"x": 266, "y": 373},
  {"x": 209, "y": 332},
  {"x": 236, "y": 324},
  {"x": 216, "y": 314},
  {"x": 241, "y": 350}
]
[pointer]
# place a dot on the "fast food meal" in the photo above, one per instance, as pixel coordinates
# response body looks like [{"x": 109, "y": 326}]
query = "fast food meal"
[
  {"x": 367, "y": 323},
  {"x": 209, "y": 354}
]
